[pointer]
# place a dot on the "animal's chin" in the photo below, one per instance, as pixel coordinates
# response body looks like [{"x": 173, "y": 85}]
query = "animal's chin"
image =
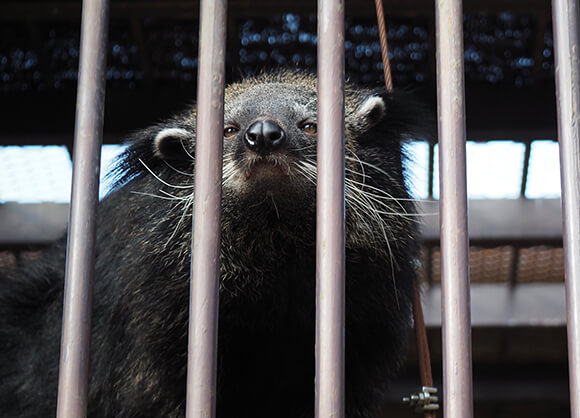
[
  {"x": 270, "y": 168},
  {"x": 261, "y": 176},
  {"x": 262, "y": 180}
]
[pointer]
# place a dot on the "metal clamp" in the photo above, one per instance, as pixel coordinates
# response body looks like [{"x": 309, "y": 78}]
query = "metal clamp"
[{"x": 423, "y": 401}]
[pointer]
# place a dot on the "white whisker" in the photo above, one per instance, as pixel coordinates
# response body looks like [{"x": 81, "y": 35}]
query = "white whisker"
[
  {"x": 188, "y": 204},
  {"x": 185, "y": 149},
  {"x": 178, "y": 171},
  {"x": 155, "y": 196},
  {"x": 161, "y": 180}
]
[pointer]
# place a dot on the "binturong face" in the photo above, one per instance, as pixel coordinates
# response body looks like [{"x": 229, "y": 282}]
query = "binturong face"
[
  {"x": 270, "y": 143},
  {"x": 270, "y": 135}
]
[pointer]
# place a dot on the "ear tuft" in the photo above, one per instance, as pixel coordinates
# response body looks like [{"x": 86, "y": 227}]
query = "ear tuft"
[
  {"x": 371, "y": 111},
  {"x": 170, "y": 144}
]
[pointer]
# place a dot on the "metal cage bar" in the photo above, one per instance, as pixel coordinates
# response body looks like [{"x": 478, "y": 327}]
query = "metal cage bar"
[
  {"x": 205, "y": 264},
  {"x": 456, "y": 315},
  {"x": 330, "y": 252},
  {"x": 80, "y": 260},
  {"x": 565, "y": 15}
]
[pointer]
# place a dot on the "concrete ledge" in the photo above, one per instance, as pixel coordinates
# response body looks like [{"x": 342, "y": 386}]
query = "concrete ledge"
[
  {"x": 500, "y": 305},
  {"x": 493, "y": 220}
]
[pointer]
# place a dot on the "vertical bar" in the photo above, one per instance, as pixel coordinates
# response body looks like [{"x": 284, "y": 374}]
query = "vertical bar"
[
  {"x": 330, "y": 267},
  {"x": 525, "y": 169},
  {"x": 80, "y": 260},
  {"x": 431, "y": 169},
  {"x": 203, "y": 313},
  {"x": 514, "y": 264},
  {"x": 456, "y": 316},
  {"x": 565, "y": 15}
]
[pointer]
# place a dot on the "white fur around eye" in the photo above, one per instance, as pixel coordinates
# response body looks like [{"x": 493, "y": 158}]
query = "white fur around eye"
[
  {"x": 168, "y": 134},
  {"x": 372, "y": 110}
]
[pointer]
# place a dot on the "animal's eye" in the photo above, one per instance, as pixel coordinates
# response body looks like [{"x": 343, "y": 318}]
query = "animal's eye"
[
  {"x": 230, "y": 131},
  {"x": 309, "y": 128}
]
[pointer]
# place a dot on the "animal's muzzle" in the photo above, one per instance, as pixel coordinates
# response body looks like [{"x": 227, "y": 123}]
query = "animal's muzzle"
[{"x": 264, "y": 136}]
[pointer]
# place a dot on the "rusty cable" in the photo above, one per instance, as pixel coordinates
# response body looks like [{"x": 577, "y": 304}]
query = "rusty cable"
[{"x": 423, "y": 355}]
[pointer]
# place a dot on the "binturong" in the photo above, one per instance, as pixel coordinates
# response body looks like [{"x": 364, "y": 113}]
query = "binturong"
[{"x": 267, "y": 285}]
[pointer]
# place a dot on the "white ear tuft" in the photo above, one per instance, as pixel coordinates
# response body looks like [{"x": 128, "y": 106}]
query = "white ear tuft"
[
  {"x": 166, "y": 136},
  {"x": 371, "y": 111}
]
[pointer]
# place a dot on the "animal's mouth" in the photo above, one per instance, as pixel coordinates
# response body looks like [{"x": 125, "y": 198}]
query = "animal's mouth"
[{"x": 270, "y": 166}]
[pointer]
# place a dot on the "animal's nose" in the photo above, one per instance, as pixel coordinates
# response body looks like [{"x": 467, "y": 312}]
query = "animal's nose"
[{"x": 264, "y": 136}]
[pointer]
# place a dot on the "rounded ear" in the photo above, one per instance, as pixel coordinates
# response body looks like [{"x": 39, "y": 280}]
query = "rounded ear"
[
  {"x": 371, "y": 111},
  {"x": 171, "y": 144}
]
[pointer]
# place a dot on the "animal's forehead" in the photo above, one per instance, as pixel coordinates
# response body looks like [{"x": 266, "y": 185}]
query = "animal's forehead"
[{"x": 270, "y": 97}]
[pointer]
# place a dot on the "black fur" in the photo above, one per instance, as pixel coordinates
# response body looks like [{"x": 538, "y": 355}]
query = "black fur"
[{"x": 266, "y": 329}]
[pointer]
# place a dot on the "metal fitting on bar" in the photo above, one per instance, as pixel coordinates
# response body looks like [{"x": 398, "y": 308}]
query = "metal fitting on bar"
[{"x": 424, "y": 400}]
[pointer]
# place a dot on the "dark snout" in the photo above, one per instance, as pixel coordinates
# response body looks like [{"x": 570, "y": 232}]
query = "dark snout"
[{"x": 264, "y": 136}]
